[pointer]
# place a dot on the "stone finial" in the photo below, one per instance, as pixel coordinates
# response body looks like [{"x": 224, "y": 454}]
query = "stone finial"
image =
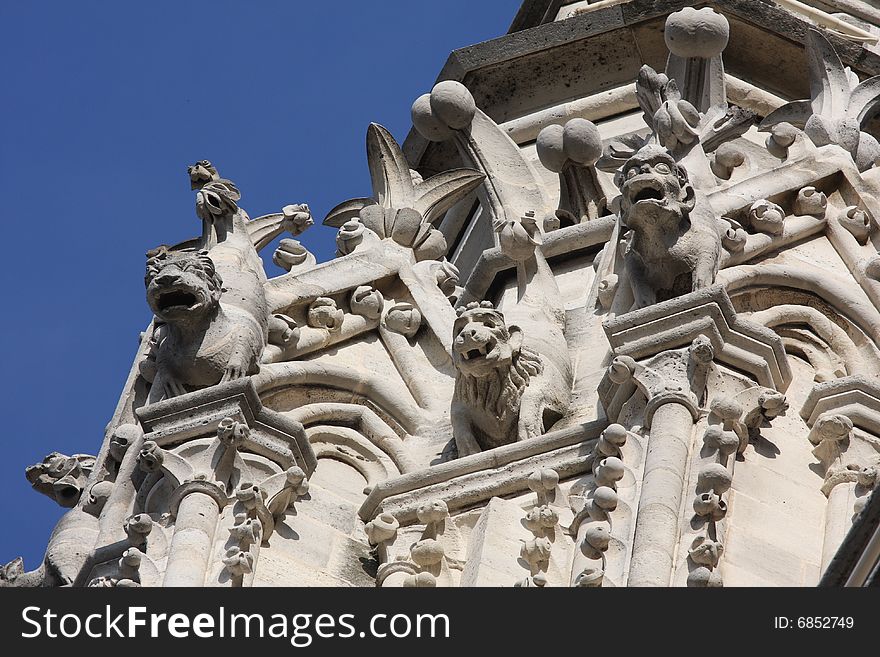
[
  {"x": 839, "y": 105},
  {"x": 701, "y": 33},
  {"x": 450, "y": 106},
  {"x": 572, "y": 151}
]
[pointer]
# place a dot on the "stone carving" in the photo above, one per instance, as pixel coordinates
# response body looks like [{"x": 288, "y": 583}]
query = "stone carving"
[
  {"x": 99, "y": 493},
  {"x": 811, "y": 202},
  {"x": 495, "y": 370},
  {"x": 839, "y": 105},
  {"x": 676, "y": 244},
  {"x": 122, "y": 438},
  {"x": 857, "y": 222},
  {"x": 447, "y": 277},
  {"x": 767, "y": 217},
  {"x": 403, "y": 207},
  {"x": 323, "y": 313},
  {"x": 470, "y": 304},
  {"x": 138, "y": 528},
  {"x": 403, "y": 318},
  {"x": 382, "y": 528},
  {"x": 200, "y": 342},
  {"x": 367, "y": 301},
  {"x": 290, "y": 255},
  {"x": 61, "y": 477},
  {"x": 572, "y": 151}
]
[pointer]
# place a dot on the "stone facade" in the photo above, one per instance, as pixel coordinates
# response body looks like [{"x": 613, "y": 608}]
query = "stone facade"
[{"x": 610, "y": 318}]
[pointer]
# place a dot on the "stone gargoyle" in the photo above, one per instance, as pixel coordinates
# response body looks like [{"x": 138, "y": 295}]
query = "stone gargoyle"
[
  {"x": 513, "y": 377},
  {"x": 208, "y": 295},
  {"x": 201, "y": 340},
  {"x": 675, "y": 238},
  {"x": 61, "y": 477}
]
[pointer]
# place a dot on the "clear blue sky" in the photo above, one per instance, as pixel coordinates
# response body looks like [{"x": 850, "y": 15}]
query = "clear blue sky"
[{"x": 104, "y": 104}]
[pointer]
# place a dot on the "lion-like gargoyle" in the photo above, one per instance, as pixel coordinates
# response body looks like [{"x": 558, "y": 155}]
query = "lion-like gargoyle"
[
  {"x": 209, "y": 299},
  {"x": 513, "y": 377},
  {"x": 675, "y": 242},
  {"x": 205, "y": 337}
]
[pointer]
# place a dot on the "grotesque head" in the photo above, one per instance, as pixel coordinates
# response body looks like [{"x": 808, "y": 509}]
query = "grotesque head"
[
  {"x": 201, "y": 173},
  {"x": 654, "y": 187},
  {"x": 182, "y": 285},
  {"x": 217, "y": 198},
  {"x": 61, "y": 477},
  {"x": 482, "y": 342}
]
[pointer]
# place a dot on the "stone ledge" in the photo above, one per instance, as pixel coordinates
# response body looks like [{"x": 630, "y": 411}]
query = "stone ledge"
[
  {"x": 498, "y": 472},
  {"x": 197, "y": 414},
  {"x": 857, "y": 397},
  {"x": 673, "y": 324}
]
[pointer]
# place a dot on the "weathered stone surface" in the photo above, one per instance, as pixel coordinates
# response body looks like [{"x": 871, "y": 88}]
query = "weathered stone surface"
[{"x": 617, "y": 325}]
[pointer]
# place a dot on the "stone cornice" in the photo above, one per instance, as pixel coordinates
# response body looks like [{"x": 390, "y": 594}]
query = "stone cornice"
[
  {"x": 472, "y": 480},
  {"x": 198, "y": 414},
  {"x": 738, "y": 343}
]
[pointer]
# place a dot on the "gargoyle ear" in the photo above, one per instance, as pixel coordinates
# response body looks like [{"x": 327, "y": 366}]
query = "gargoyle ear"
[
  {"x": 516, "y": 338},
  {"x": 689, "y": 197}
]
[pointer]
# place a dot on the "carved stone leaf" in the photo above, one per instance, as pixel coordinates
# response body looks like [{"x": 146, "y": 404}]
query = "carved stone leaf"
[
  {"x": 864, "y": 100},
  {"x": 346, "y": 210},
  {"x": 727, "y": 126},
  {"x": 829, "y": 84},
  {"x": 796, "y": 112},
  {"x": 389, "y": 170},
  {"x": 438, "y": 193},
  {"x": 649, "y": 87}
]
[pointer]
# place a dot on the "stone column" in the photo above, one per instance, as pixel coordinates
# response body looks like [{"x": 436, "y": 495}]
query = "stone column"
[
  {"x": 672, "y": 382},
  {"x": 198, "y": 509},
  {"x": 662, "y": 487},
  {"x": 851, "y": 472}
]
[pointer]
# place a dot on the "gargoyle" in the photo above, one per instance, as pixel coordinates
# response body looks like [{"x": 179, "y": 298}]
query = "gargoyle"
[
  {"x": 676, "y": 240},
  {"x": 208, "y": 294},
  {"x": 207, "y": 333},
  {"x": 513, "y": 369},
  {"x": 61, "y": 477}
]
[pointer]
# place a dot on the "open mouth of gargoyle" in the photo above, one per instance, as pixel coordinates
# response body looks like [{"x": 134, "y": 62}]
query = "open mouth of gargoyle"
[
  {"x": 648, "y": 193},
  {"x": 212, "y": 201},
  {"x": 176, "y": 299},
  {"x": 481, "y": 351}
]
